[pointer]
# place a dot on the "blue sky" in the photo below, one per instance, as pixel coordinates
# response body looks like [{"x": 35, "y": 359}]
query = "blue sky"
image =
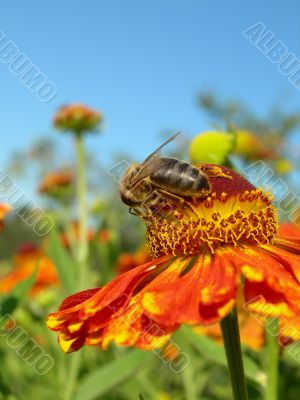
[{"x": 141, "y": 63}]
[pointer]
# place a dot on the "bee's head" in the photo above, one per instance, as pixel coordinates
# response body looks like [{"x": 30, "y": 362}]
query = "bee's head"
[
  {"x": 131, "y": 172},
  {"x": 129, "y": 191}
]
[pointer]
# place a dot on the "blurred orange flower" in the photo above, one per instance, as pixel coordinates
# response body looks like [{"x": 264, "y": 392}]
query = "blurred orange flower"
[
  {"x": 26, "y": 260},
  {"x": 104, "y": 235},
  {"x": 248, "y": 145},
  {"x": 54, "y": 182},
  {"x": 77, "y": 118},
  {"x": 251, "y": 331},
  {"x": 170, "y": 352},
  {"x": 4, "y": 210},
  {"x": 74, "y": 234},
  {"x": 203, "y": 249},
  {"x": 128, "y": 261}
]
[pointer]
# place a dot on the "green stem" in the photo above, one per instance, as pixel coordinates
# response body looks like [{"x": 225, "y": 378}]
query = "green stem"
[
  {"x": 73, "y": 373},
  {"x": 147, "y": 386},
  {"x": 82, "y": 254},
  {"x": 231, "y": 337},
  {"x": 273, "y": 359},
  {"x": 192, "y": 387},
  {"x": 69, "y": 231},
  {"x": 188, "y": 378}
]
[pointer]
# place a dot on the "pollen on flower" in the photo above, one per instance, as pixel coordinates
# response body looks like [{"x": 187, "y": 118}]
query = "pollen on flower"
[{"x": 235, "y": 213}]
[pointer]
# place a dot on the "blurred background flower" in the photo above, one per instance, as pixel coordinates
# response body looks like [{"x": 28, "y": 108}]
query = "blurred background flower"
[
  {"x": 28, "y": 259},
  {"x": 58, "y": 184},
  {"x": 77, "y": 118},
  {"x": 211, "y": 147}
]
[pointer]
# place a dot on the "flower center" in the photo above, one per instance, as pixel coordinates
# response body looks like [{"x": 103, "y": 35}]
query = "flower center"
[{"x": 234, "y": 213}]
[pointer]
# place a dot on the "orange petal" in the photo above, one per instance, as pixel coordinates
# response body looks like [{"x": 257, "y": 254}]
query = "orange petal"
[
  {"x": 98, "y": 316},
  {"x": 192, "y": 290},
  {"x": 270, "y": 287},
  {"x": 136, "y": 328},
  {"x": 289, "y": 329},
  {"x": 287, "y": 253},
  {"x": 289, "y": 230}
]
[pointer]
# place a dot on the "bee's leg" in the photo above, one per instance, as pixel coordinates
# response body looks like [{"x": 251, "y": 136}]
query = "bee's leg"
[
  {"x": 193, "y": 206},
  {"x": 178, "y": 198},
  {"x": 170, "y": 195}
]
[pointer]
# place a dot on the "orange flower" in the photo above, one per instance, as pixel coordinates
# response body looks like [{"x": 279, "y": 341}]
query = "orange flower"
[
  {"x": 104, "y": 236},
  {"x": 77, "y": 118},
  {"x": 128, "y": 261},
  {"x": 28, "y": 258},
  {"x": 251, "y": 147},
  {"x": 4, "y": 210},
  {"x": 170, "y": 352},
  {"x": 55, "y": 182},
  {"x": 203, "y": 249}
]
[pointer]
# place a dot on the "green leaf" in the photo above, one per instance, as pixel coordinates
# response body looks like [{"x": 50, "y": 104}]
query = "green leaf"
[
  {"x": 211, "y": 351},
  {"x": 11, "y": 301},
  {"x": 110, "y": 375},
  {"x": 192, "y": 387},
  {"x": 62, "y": 260}
]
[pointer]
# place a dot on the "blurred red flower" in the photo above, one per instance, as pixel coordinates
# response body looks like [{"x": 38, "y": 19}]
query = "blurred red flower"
[
  {"x": 77, "y": 118},
  {"x": 54, "y": 182},
  {"x": 128, "y": 261},
  {"x": 28, "y": 258},
  {"x": 4, "y": 210}
]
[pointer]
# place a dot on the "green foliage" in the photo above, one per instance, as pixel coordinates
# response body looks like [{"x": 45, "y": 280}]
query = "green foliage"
[
  {"x": 109, "y": 376},
  {"x": 16, "y": 233},
  {"x": 65, "y": 265}
]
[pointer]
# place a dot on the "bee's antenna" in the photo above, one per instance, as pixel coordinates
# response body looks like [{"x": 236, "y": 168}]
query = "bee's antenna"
[{"x": 132, "y": 212}]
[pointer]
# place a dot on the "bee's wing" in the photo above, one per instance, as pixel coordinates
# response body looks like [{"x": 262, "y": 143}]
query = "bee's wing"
[
  {"x": 157, "y": 151},
  {"x": 150, "y": 164}
]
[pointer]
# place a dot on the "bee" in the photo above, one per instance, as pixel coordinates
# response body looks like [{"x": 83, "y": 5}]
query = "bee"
[{"x": 162, "y": 175}]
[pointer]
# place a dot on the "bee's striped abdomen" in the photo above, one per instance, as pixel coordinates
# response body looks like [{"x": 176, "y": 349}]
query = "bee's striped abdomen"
[{"x": 179, "y": 177}]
